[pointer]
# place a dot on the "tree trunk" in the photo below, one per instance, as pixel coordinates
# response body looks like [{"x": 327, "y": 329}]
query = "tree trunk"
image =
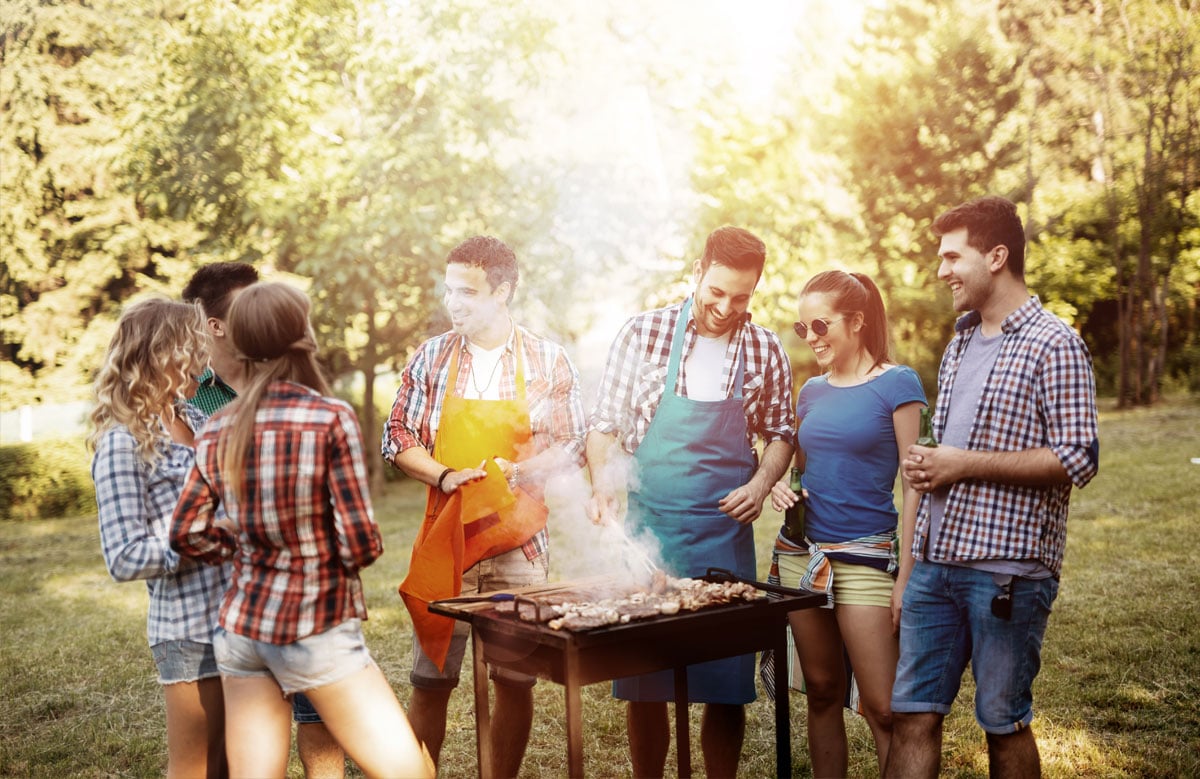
[
  {"x": 1124, "y": 317},
  {"x": 1162, "y": 295},
  {"x": 371, "y": 431}
]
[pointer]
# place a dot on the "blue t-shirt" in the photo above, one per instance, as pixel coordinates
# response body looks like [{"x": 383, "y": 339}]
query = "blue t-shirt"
[{"x": 849, "y": 443}]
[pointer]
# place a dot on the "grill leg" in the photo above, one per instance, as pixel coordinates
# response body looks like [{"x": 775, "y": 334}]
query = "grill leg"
[
  {"x": 483, "y": 712},
  {"x": 783, "y": 725},
  {"x": 574, "y": 715},
  {"x": 683, "y": 746}
]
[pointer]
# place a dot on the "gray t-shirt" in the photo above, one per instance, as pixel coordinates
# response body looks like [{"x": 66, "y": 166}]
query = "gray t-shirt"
[{"x": 977, "y": 363}]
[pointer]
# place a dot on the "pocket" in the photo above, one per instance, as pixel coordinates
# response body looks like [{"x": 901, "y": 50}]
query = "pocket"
[{"x": 649, "y": 389}]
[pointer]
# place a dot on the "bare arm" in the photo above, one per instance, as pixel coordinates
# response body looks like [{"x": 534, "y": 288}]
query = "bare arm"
[
  {"x": 420, "y": 465},
  {"x": 906, "y": 421},
  {"x": 609, "y": 468},
  {"x": 930, "y": 468}
]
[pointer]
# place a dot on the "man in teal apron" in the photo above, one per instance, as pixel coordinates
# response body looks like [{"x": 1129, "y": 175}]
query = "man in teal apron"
[{"x": 687, "y": 392}]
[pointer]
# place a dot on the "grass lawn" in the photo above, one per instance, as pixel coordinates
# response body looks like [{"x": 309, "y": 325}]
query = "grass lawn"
[{"x": 1118, "y": 695}]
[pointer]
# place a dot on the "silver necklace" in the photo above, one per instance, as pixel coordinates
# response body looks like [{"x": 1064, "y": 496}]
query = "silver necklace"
[{"x": 491, "y": 378}]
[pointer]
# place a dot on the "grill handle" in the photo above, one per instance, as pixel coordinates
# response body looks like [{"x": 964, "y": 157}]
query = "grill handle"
[{"x": 725, "y": 575}]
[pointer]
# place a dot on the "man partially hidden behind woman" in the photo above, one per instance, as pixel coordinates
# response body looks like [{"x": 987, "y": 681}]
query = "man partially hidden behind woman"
[{"x": 285, "y": 462}]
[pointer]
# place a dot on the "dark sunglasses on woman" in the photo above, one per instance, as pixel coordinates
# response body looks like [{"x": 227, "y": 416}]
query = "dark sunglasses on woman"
[{"x": 819, "y": 326}]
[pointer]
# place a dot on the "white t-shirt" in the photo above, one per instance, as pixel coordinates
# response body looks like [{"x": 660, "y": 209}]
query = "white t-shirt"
[
  {"x": 483, "y": 383},
  {"x": 703, "y": 368}
]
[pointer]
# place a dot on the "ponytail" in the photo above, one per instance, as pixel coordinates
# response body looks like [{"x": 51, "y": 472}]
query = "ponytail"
[
  {"x": 876, "y": 339},
  {"x": 268, "y": 323}
]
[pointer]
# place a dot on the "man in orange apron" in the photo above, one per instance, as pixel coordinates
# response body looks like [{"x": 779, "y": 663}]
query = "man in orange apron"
[
  {"x": 686, "y": 393},
  {"x": 485, "y": 414}
]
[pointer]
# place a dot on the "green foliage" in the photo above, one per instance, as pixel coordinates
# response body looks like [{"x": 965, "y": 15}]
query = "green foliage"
[
  {"x": 71, "y": 242},
  {"x": 940, "y": 102},
  {"x": 1126, "y": 77},
  {"x": 46, "y": 479},
  {"x": 351, "y": 143}
]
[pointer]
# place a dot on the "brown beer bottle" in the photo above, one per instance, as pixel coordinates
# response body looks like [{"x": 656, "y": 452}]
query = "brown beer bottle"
[
  {"x": 793, "y": 518},
  {"x": 925, "y": 437}
]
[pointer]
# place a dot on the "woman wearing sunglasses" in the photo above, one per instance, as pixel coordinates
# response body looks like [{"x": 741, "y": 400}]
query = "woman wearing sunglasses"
[{"x": 855, "y": 420}]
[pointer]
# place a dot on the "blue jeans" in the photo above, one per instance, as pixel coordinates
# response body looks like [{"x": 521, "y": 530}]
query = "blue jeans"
[{"x": 948, "y": 621}]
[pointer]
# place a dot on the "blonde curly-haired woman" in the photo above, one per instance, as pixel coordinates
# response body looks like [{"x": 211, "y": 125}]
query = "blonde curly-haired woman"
[{"x": 143, "y": 442}]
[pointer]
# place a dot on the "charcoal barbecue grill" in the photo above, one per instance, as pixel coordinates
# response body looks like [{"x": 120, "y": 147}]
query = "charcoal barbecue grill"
[{"x": 578, "y": 658}]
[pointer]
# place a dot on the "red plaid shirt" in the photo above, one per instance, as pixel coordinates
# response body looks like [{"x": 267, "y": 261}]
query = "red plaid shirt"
[
  {"x": 306, "y": 528},
  {"x": 551, "y": 387},
  {"x": 636, "y": 372}
]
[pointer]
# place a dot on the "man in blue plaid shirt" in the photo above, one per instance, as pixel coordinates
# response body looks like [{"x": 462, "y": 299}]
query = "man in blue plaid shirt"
[{"x": 1016, "y": 421}]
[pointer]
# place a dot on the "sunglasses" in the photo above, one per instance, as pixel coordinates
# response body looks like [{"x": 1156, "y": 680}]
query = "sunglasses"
[
  {"x": 1002, "y": 606},
  {"x": 819, "y": 326}
]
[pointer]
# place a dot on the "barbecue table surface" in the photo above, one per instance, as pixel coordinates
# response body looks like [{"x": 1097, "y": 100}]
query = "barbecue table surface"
[
  {"x": 623, "y": 649},
  {"x": 581, "y": 657}
]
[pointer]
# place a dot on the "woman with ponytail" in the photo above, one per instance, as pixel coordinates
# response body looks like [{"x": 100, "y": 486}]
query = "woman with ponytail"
[
  {"x": 855, "y": 420},
  {"x": 143, "y": 438},
  {"x": 286, "y": 463}
]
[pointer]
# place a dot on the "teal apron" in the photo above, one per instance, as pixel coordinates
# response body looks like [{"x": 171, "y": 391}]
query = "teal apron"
[{"x": 694, "y": 453}]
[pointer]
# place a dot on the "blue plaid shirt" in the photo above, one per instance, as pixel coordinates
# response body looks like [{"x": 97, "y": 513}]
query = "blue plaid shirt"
[
  {"x": 1041, "y": 393},
  {"x": 136, "y": 502}
]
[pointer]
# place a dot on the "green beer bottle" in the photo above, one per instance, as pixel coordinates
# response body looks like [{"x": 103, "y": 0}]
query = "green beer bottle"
[
  {"x": 925, "y": 437},
  {"x": 793, "y": 518}
]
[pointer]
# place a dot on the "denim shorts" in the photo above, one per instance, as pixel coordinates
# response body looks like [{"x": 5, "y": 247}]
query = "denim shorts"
[
  {"x": 503, "y": 572},
  {"x": 947, "y": 621},
  {"x": 313, "y": 661},
  {"x": 184, "y": 661},
  {"x": 303, "y": 711}
]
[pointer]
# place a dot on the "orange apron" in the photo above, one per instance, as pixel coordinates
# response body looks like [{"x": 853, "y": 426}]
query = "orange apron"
[{"x": 480, "y": 519}]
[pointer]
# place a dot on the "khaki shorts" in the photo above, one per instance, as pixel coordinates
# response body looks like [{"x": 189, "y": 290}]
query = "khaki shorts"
[
  {"x": 853, "y": 585},
  {"x": 502, "y": 572}
]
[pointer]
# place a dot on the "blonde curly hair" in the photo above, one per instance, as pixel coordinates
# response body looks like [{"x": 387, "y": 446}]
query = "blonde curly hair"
[{"x": 159, "y": 348}]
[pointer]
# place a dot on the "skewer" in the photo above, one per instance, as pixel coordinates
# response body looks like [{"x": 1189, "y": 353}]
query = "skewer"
[
  {"x": 640, "y": 553},
  {"x": 642, "y": 556}
]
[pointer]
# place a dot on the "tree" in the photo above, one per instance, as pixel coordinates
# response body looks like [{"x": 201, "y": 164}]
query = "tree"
[
  {"x": 1123, "y": 98},
  {"x": 1157, "y": 83},
  {"x": 350, "y": 143},
  {"x": 71, "y": 241}
]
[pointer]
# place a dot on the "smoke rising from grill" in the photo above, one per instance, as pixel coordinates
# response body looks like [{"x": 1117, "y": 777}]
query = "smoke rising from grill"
[{"x": 579, "y": 547}]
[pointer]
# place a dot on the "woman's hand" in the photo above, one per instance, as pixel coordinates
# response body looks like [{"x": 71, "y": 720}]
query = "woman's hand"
[{"x": 782, "y": 497}]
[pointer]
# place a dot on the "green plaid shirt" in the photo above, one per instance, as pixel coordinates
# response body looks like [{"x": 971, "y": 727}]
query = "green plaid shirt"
[{"x": 212, "y": 394}]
